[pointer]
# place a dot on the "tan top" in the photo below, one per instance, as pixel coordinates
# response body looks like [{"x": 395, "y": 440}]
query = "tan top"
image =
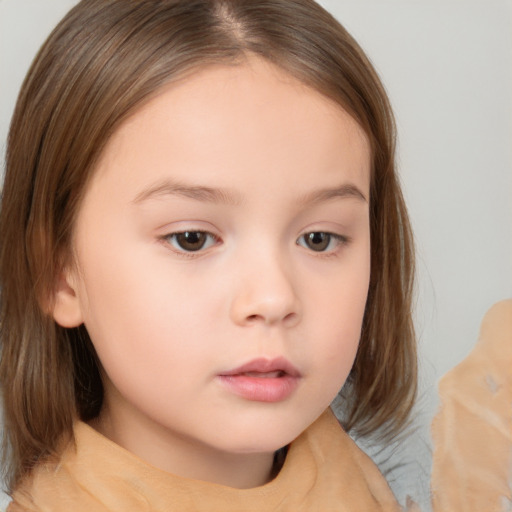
[
  {"x": 472, "y": 433},
  {"x": 324, "y": 471}
]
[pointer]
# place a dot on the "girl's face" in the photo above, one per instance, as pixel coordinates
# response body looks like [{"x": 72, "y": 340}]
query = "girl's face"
[{"x": 222, "y": 256}]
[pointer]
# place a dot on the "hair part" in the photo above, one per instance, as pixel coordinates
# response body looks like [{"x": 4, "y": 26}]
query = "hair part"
[{"x": 102, "y": 62}]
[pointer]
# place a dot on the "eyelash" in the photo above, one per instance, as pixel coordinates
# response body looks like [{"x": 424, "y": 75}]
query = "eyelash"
[
  {"x": 340, "y": 240},
  {"x": 172, "y": 240},
  {"x": 172, "y": 237}
]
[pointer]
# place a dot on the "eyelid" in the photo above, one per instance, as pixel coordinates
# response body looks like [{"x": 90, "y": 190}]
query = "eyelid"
[
  {"x": 341, "y": 240},
  {"x": 214, "y": 239},
  {"x": 167, "y": 237}
]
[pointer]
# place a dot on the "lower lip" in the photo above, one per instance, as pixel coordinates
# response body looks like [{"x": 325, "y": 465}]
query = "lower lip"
[{"x": 260, "y": 389}]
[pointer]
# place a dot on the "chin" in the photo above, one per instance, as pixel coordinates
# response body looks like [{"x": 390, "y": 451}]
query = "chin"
[{"x": 263, "y": 436}]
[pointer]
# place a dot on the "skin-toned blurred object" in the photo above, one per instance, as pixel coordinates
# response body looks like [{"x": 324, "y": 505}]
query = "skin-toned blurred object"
[{"x": 472, "y": 433}]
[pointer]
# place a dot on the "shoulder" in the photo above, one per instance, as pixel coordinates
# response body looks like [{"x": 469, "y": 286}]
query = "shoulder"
[
  {"x": 60, "y": 484},
  {"x": 339, "y": 470},
  {"x": 15, "y": 506}
]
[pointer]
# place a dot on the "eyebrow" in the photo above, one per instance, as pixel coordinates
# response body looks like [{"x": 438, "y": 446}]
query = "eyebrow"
[
  {"x": 225, "y": 196},
  {"x": 347, "y": 190},
  {"x": 197, "y": 192}
]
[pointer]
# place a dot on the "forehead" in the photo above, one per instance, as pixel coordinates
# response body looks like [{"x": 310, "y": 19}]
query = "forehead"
[{"x": 238, "y": 117}]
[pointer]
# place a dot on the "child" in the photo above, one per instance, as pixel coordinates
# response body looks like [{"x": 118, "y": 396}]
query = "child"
[{"x": 203, "y": 237}]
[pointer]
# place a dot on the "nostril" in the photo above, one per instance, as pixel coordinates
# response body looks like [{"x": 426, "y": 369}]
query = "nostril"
[{"x": 290, "y": 318}]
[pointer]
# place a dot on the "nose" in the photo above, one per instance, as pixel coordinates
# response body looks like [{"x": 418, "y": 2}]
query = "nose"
[{"x": 265, "y": 294}]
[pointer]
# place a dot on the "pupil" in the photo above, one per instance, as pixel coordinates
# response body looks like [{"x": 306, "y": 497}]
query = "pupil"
[
  {"x": 318, "y": 241},
  {"x": 191, "y": 240}
]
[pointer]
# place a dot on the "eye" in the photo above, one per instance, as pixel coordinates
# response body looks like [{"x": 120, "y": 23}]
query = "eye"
[
  {"x": 320, "y": 241},
  {"x": 191, "y": 241}
]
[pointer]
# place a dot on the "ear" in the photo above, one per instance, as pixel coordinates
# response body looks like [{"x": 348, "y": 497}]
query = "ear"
[{"x": 67, "y": 309}]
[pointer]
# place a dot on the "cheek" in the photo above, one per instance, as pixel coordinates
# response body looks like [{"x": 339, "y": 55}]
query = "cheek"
[
  {"x": 139, "y": 317},
  {"x": 342, "y": 319},
  {"x": 155, "y": 336},
  {"x": 341, "y": 334}
]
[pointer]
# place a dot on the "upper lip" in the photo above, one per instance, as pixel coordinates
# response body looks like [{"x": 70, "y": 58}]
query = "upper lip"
[{"x": 263, "y": 365}]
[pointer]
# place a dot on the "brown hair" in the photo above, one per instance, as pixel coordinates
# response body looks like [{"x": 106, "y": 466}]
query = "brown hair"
[{"x": 104, "y": 60}]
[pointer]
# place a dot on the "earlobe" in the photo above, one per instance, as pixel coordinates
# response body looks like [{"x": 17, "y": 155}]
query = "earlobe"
[{"x": 66, "y": 309}]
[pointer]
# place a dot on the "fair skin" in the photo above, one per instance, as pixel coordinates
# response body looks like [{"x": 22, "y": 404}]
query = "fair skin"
[{"x": 271, "y": 181}]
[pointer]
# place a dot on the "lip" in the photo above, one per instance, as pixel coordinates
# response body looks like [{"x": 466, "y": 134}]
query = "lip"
[{"x": 262, "y": 380}]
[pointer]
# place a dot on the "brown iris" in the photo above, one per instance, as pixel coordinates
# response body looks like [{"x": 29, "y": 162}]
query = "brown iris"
[
  {"x": 317, "y": 241},
  {"x": 191, "y": 240}
]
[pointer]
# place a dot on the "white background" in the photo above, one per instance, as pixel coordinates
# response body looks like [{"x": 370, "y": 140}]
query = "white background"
[{"x": 447, "y": 65}]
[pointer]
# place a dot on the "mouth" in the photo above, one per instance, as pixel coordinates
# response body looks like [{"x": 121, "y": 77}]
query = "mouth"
[
  {"x": 265, "y": 375},
  {"x": 262, "y": 367},
  {"x": 262, "y": 380}
]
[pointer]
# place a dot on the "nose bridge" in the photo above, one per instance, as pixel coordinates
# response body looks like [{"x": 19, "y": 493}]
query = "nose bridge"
[{"x": 265, "y": 289}]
